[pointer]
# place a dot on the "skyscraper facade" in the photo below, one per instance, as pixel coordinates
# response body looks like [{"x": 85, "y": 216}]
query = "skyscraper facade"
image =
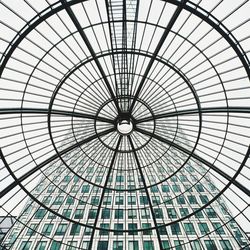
[{"x": 81, "y": 214}]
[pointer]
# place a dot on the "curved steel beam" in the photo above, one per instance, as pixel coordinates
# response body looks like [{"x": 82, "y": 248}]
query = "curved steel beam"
[
  {"x": 47, "y": 161},
  {"x": 5, "y": 111},
  {"x": 91, "y": 50},
  {"x": 103, "y": 192},
  {"x": 157, "y": 49},
  {"x": 196, "y": 111},
  {"x": 197, "y": 157},
  {"x": 147, "y": 193}
]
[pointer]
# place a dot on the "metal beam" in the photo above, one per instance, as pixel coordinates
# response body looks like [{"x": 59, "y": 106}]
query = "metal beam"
[
  {"x": 47, "y": 161},
  {"x": 7, "y": 111},
  {"x": 200, "y": 159},
  {"x": 147, "y": 193},
  {"x": 103, "y": 192},
  {"x": 245, "y": 110},
  {"x": 155, "y": 54},
  {"x": 91, "y": 50}
]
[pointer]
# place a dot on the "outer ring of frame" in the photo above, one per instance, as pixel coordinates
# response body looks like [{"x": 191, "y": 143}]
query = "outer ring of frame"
[{"x": 56, "y": 9}]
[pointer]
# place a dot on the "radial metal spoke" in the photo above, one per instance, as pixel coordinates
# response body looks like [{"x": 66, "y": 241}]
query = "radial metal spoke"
[
  {"x": 146, "y": 190},
  {"x": 47, "y": 161},
  {"x": 155, "y": 54},
  {"x": 91, "y": 50},
  {"x": 197, "y": 157},
  {"x": 245, "y": 110},
  {"x": 8, "y": 111},
  {"x": 104, "y": 189}
]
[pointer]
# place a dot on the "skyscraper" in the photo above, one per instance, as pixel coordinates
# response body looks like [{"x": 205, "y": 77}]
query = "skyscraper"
[
  {"x": 125, "y": 219},
  {"x": 125, "y": 124}
]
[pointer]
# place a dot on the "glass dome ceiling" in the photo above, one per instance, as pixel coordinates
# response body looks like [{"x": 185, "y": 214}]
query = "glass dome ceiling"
[{"x": 113, "y": 104}]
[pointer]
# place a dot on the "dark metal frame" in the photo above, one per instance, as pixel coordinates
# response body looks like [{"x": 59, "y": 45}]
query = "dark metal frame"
[{"x": 133, "y": 99}]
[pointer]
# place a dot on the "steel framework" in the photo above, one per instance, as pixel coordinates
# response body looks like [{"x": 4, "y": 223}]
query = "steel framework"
[{"x": 177, "y": 70}]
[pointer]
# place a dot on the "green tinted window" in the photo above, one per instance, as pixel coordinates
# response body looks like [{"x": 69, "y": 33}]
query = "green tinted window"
[{"x": 47, "y": 228}]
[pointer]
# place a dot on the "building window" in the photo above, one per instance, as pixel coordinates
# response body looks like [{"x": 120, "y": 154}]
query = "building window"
[
  {"x": 180, "y": 199},
  {"x": 175, "y": 228},
  {"x": 32, "y": 230},
  {"x": 203, "y": 228},
  {"x": 25, "y": 245},
  {"x": 118, "y": 245},
  {"x": 179, "y": 245},
  {"x": 92, "y": 214},
  {"x": 79, "y": 214},
  {"x": 145, "y": 226},
  {"x": 70, "y": 200},
  {"x": 61, "y": 229},
  {"x": 176, "y": 188},
  {"x": 162, "y": 230},
  {"x": 165, "y": 245},
  {"x": 132, "y": 214},
  {"x": 119, "y": 200},
  {"x": 145, "y": 213},
  {"x": 52, "y": 215},
  {"x": 143, "y": 200},
  {"x": 87, "y": 231},
  {"x": 102, "y": 245},
  {"x": 58, "y": 200},
  {"x": 172, "y": 213},
  {"x": 148, "y": 245},
  {"x": 131, "y": 200},
  {"x": 51, "y": 189},
  {"x": 210, "y": 212},
  {"x": 67, "y": 212},
  {"x": 118, "y": 226},
  {"x": 75, "y": 229},
  {"x": 156, "y": 200},
  {"x": 192, "y": 199},
  {"x": 40, "y": 213},
  {"x": 55, "y": 245},
  {"x": 104, "y": 226},
  {"x": 85, "y": 245},
  {"x": 198, "y": 214},
  {"x": 199, "y": 187},
  {"x": 218, "y": 228},
  {"x": 196, "y": 245},
  {"x": 132, "y": 226},
  {"x": 41, "y": 245},
  {"x": 66, "y": 178},
  {"x": 168, "y": 200},
  {"x": 107, "y": 200},
  {"x": 189, "y": 228},
  {"x": 118, "y": 213},
  {"x": 75, "y": 189},
  {"x": 154, "y": 189},
  {"x": 85, "y": 188},
  {"x": 158, "y": 213},
  {"x": 210, "y": 245},
  {"x": 46, "y": 200},
  {"x": 133, "y": 245},
  {"x": 71, "y": 245},
  {"x": 95, "y": 200},
  {"x": 165, "y": 188},
  {"x": 47, "y": 228},
  {"x": 204, "y": 199},
  {"x": 184, "y": 211},
  {"x": 105, "y": 213},
  {"x": 119, "y": 178},
  {"x": 226, "y": 245}
]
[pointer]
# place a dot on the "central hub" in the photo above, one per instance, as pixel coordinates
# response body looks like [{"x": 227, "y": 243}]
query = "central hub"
[{"x": 125, "y": 127}]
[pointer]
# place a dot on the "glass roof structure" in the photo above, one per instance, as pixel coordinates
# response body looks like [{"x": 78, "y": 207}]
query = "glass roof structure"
[{"x": 125, "y": 124}]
